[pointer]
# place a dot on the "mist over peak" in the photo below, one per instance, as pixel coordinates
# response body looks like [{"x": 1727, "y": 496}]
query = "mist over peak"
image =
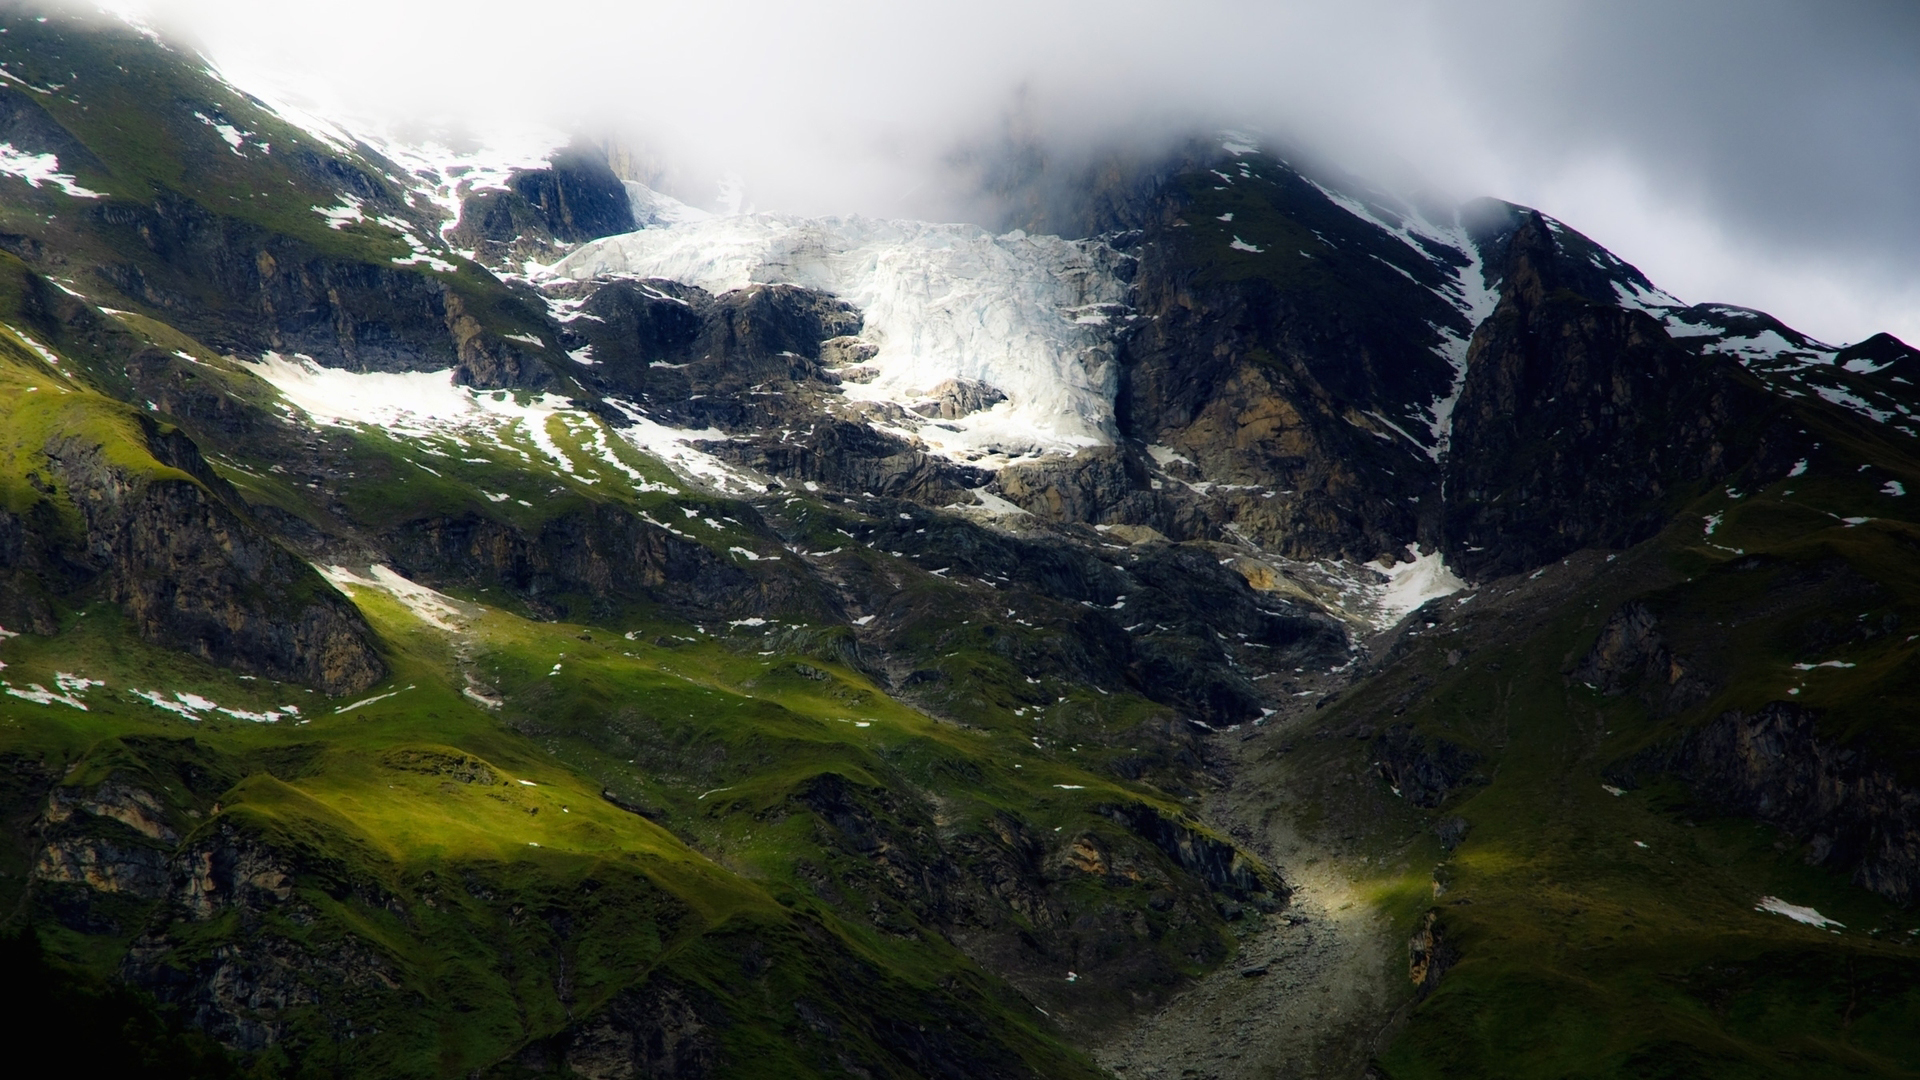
[{"x": 1747, "y": 153}]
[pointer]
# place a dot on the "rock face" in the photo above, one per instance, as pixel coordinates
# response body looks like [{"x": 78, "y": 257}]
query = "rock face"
[
  {"x": 1429, "y": 954},
  {"x": 658, "y": 1031},
  {"x": 574, "y": 199},
  {"x": 1287, "y": 371},
  {"x": 1631, "y": 653},
  {"x": 1424, "y": 770},
  {"x": 1853, "y": 813},
  {"x": 244, "y": 289},
  {"x": 696, "y": 357},
  {"x": 592, "y": 561},
  {"x": 192, "y": 574},
  {"x": 1581, "y": 423},
  {"x": 955, "y": 398}
]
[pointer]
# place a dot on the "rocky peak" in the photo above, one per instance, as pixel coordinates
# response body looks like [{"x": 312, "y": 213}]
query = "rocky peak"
[{"x": 1581, "y": 423}]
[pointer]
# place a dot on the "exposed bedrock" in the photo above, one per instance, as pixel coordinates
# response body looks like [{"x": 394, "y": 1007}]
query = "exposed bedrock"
[
  {"x": 192, "y": 574},
  {"x": 592, "y": 560},
  {"x": 1582, "y": 424},
  {"x": 244, "y": 289},
  {"x": 1850, "y": 809}
]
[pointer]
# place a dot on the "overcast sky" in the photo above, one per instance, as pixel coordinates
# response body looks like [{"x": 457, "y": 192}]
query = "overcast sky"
[{"x": 1758, "y": 152}]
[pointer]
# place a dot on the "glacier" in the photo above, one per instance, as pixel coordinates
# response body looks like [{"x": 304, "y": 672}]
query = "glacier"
[{"x": 1031, "y": 316}]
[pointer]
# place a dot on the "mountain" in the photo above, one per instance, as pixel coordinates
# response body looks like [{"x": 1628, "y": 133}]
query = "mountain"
[{"x": 473, "y": 615}]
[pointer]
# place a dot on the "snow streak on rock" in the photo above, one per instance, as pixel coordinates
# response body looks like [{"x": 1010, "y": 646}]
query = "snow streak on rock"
[{"x": 1467, "y": 290}]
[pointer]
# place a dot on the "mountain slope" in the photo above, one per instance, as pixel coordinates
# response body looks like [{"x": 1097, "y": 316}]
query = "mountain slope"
[{"x": 775, "y": 646}]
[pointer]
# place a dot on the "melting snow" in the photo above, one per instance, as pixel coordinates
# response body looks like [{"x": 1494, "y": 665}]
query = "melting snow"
[
  {"x": 433, "y": 608},
  {"x": 37, "y": 169},
  {"x": 369, "y": 701},
  {"x": 1241, "y": 245},
  {"x": 1777, "y": 906},
  {"x": 339, "y": 217},
  {"x": 1411, "y": 584},
  {"x": 192, "y": 705},
  {"x": 1893, "y": 487},
  {"x": 233, "y": 136},
  {"x": 40, "y": 695},
  {"x": 1466, "y": 292},
  {"x": 426, "y": 404}
]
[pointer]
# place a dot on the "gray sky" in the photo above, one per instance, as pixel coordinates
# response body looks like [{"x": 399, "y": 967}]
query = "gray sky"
[{"x": 1758, "y": 152}]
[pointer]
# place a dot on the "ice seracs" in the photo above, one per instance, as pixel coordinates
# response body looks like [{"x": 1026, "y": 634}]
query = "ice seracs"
[{"x": 941, "y": 302}]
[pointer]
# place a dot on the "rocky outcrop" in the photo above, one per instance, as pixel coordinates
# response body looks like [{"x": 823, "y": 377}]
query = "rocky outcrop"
[
  {"x": 542, "y": 212},
  {"x": 1429, "y": 954},
  {"x": 36, "y": 567},
  {"x": 700, "y": 358},
  {"x": 105, "y": 850},
  {"x": 841, "y": 455},
  {"x": 247, "y": 989},
  {"x": 1852, "y": 811},
  {"x": 192, "y": 574},
  {"x": 1422, "y": 769},
  {"x": 657, "y": 1031},
  {"x": 1102, "y": 485},
  {"x": 244, "y": 289},
  {"x": 1224, "y": 867},
  {"x": 1275, "y": 371},
  {"x": 1630, "y": 653},
  {"x": 595, "y": 559},
  {"x": 1582, "y": 424},
  {"x": 955, "y": 398}
]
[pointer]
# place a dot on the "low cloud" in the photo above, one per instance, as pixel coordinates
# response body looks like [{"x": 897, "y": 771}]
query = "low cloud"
[{"x": 1758, "y": 152}]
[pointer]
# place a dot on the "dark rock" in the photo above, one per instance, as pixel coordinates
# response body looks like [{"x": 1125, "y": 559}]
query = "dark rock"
[
  {"x": 595, "y": 558},
  {"x": 1581, "y": 423},
  {"x": 1224, "y": 868},
  {"x": 1429, "y": 954},
  {"x": 1630, "y": 652},
  {"x": 955, "y": 398},
  {"x": 1424, "y": 769},
  {"x": 1774, "y": 765},
  {"x": 192, "y": 574},
  {"x": 574, "y": 199}
]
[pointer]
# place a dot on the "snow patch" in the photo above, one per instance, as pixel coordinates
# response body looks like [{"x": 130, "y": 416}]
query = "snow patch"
[
  {"x": 347, "y": 213},
  {"x": 232, "y": 136},
  {"x": 1776, "y": 906},
  {"x": 1411, "y": 584},
  {"x": 37, "y": 169},
  {"x": 40, "y": 695},
  {"x": 425, "y": 405},
  {"x": 433, "y": 608}
]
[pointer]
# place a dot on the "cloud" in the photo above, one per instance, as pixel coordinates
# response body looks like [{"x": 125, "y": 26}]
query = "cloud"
[{"x": 1759, "y": 152}]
